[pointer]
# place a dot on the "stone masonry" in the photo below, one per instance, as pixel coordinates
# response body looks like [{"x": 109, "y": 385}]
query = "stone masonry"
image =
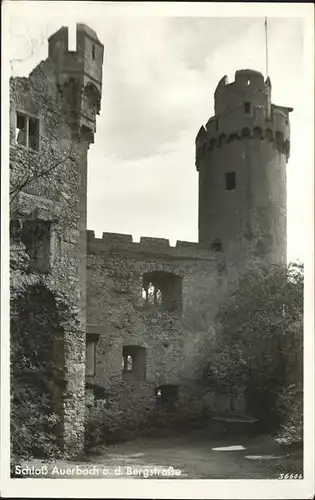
[
  {"x": 140, "y": 319},
  {"x": 172, "y": 334},
  {"x": 52, "y": 123},
  {"x": 241, "y": 157}
]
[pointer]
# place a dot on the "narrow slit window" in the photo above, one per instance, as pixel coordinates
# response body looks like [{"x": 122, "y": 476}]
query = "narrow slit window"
[
  {"x": 90, "y": 358},
  {"x": 93, "y": 52},
  {"x": 230, "y": 181},
  {"x": 129, "y": 364},
  {"x": 150, "y": 294}
]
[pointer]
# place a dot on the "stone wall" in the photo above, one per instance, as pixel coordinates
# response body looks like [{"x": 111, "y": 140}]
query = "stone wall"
[
  {"x": 45, "y": 185},
  {"x": 249, "y": 137},
  {"x": 176, "y": 342}
]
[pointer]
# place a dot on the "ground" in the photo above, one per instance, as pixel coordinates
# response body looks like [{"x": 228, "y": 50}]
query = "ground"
[{"x": 191, "y": 453}]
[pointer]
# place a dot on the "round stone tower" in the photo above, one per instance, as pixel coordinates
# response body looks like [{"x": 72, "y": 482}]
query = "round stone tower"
[{"x": 241, "y": 157}]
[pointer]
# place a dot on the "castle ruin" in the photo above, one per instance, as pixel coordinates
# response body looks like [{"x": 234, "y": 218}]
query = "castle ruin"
[{"x": 136, "y": 321}]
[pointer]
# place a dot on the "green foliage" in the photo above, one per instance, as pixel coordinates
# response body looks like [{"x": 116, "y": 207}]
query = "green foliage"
[
  {"x": 32, "y": 429},
  {"x": 102, "y": 424},
  {"x": 260, "y": 337},
  {"x": 35, "y": 379},
  {"x": 290, "y": 407}
]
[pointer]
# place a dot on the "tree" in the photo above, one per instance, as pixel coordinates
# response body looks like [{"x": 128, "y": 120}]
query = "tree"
[
  {"x": 25, "y": 173},
  {"x": 260, "y": 340},
  {"x": 33, "y": 168},
  {"x": 36, "y": 344}
]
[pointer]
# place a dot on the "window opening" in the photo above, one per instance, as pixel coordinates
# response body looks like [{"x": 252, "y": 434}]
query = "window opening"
[
  {"x": 97, "y": 391},
  {"x": 248, "y": 82},
  {"x": 93, "y": 52},
  {"x": 133, "y": 362},
  {"x": 230, "y": 181},
  {"x": 216, "y": 246},
  {"x": 247, "y": 107},
  {"x": 90, "y": 357},
  {"x": 162, "y": 290},
  {"x": 166, "y": 396},
  {"x": 129, "y": 363},
  {"x": 27, "y": 131},
  {"x": 20, "y": 132}
]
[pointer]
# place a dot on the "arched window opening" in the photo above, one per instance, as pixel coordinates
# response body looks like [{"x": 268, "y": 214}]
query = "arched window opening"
[
  {"x": 133, "y": 362},
  {"x": 129, "y": 363},
  {"x": 162, "y": 290}
]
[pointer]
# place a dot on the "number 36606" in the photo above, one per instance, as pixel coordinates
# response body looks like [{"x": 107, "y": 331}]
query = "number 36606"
[{"x": 290, "y": 476}]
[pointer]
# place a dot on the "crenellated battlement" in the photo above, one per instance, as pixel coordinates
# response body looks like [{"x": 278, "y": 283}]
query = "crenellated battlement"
[
  {"x": 79, "y": 77},
  {"x": 248, "y": 85},
  {"x": 241, "y": 154},
  {"x": 243, "y": 110},
  {"x": 279, "y": 136},
  {"x": 87, "y": 59},
  {"x": 116, "y": 242}
]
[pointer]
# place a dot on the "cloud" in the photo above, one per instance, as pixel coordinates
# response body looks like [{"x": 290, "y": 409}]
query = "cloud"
[
  {"x": 156, "y": 79},
  {"x": 159, "y": 77}
]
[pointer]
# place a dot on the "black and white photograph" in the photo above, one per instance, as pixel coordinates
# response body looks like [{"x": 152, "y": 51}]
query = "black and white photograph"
[{"x": 157, "y": 255}]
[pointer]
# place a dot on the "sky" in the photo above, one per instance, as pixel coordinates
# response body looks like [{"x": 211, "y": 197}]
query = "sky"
[{"x": 159, "y": 76}]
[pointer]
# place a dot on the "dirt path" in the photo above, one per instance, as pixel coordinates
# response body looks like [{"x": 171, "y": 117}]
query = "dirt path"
[{"x": 189, "y": 456}]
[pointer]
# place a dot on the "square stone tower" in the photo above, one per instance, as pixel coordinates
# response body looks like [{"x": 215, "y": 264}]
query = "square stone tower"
[{"x": 52, "y": 123}]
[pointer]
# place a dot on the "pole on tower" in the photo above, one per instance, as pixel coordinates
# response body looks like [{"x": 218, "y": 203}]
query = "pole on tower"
[
  {"x": 267, "y": 72},
  {"x": 266, "y": 38}
]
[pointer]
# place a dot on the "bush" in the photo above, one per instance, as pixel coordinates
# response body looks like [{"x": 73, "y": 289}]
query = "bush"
[
  {"x": 32, "y": 431},
  {"x": 36, "y": 381},
  {"x": 102, "y": 424},
  {"x": 290, "y": 409},
  {"x": 259, "y": 344}
]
